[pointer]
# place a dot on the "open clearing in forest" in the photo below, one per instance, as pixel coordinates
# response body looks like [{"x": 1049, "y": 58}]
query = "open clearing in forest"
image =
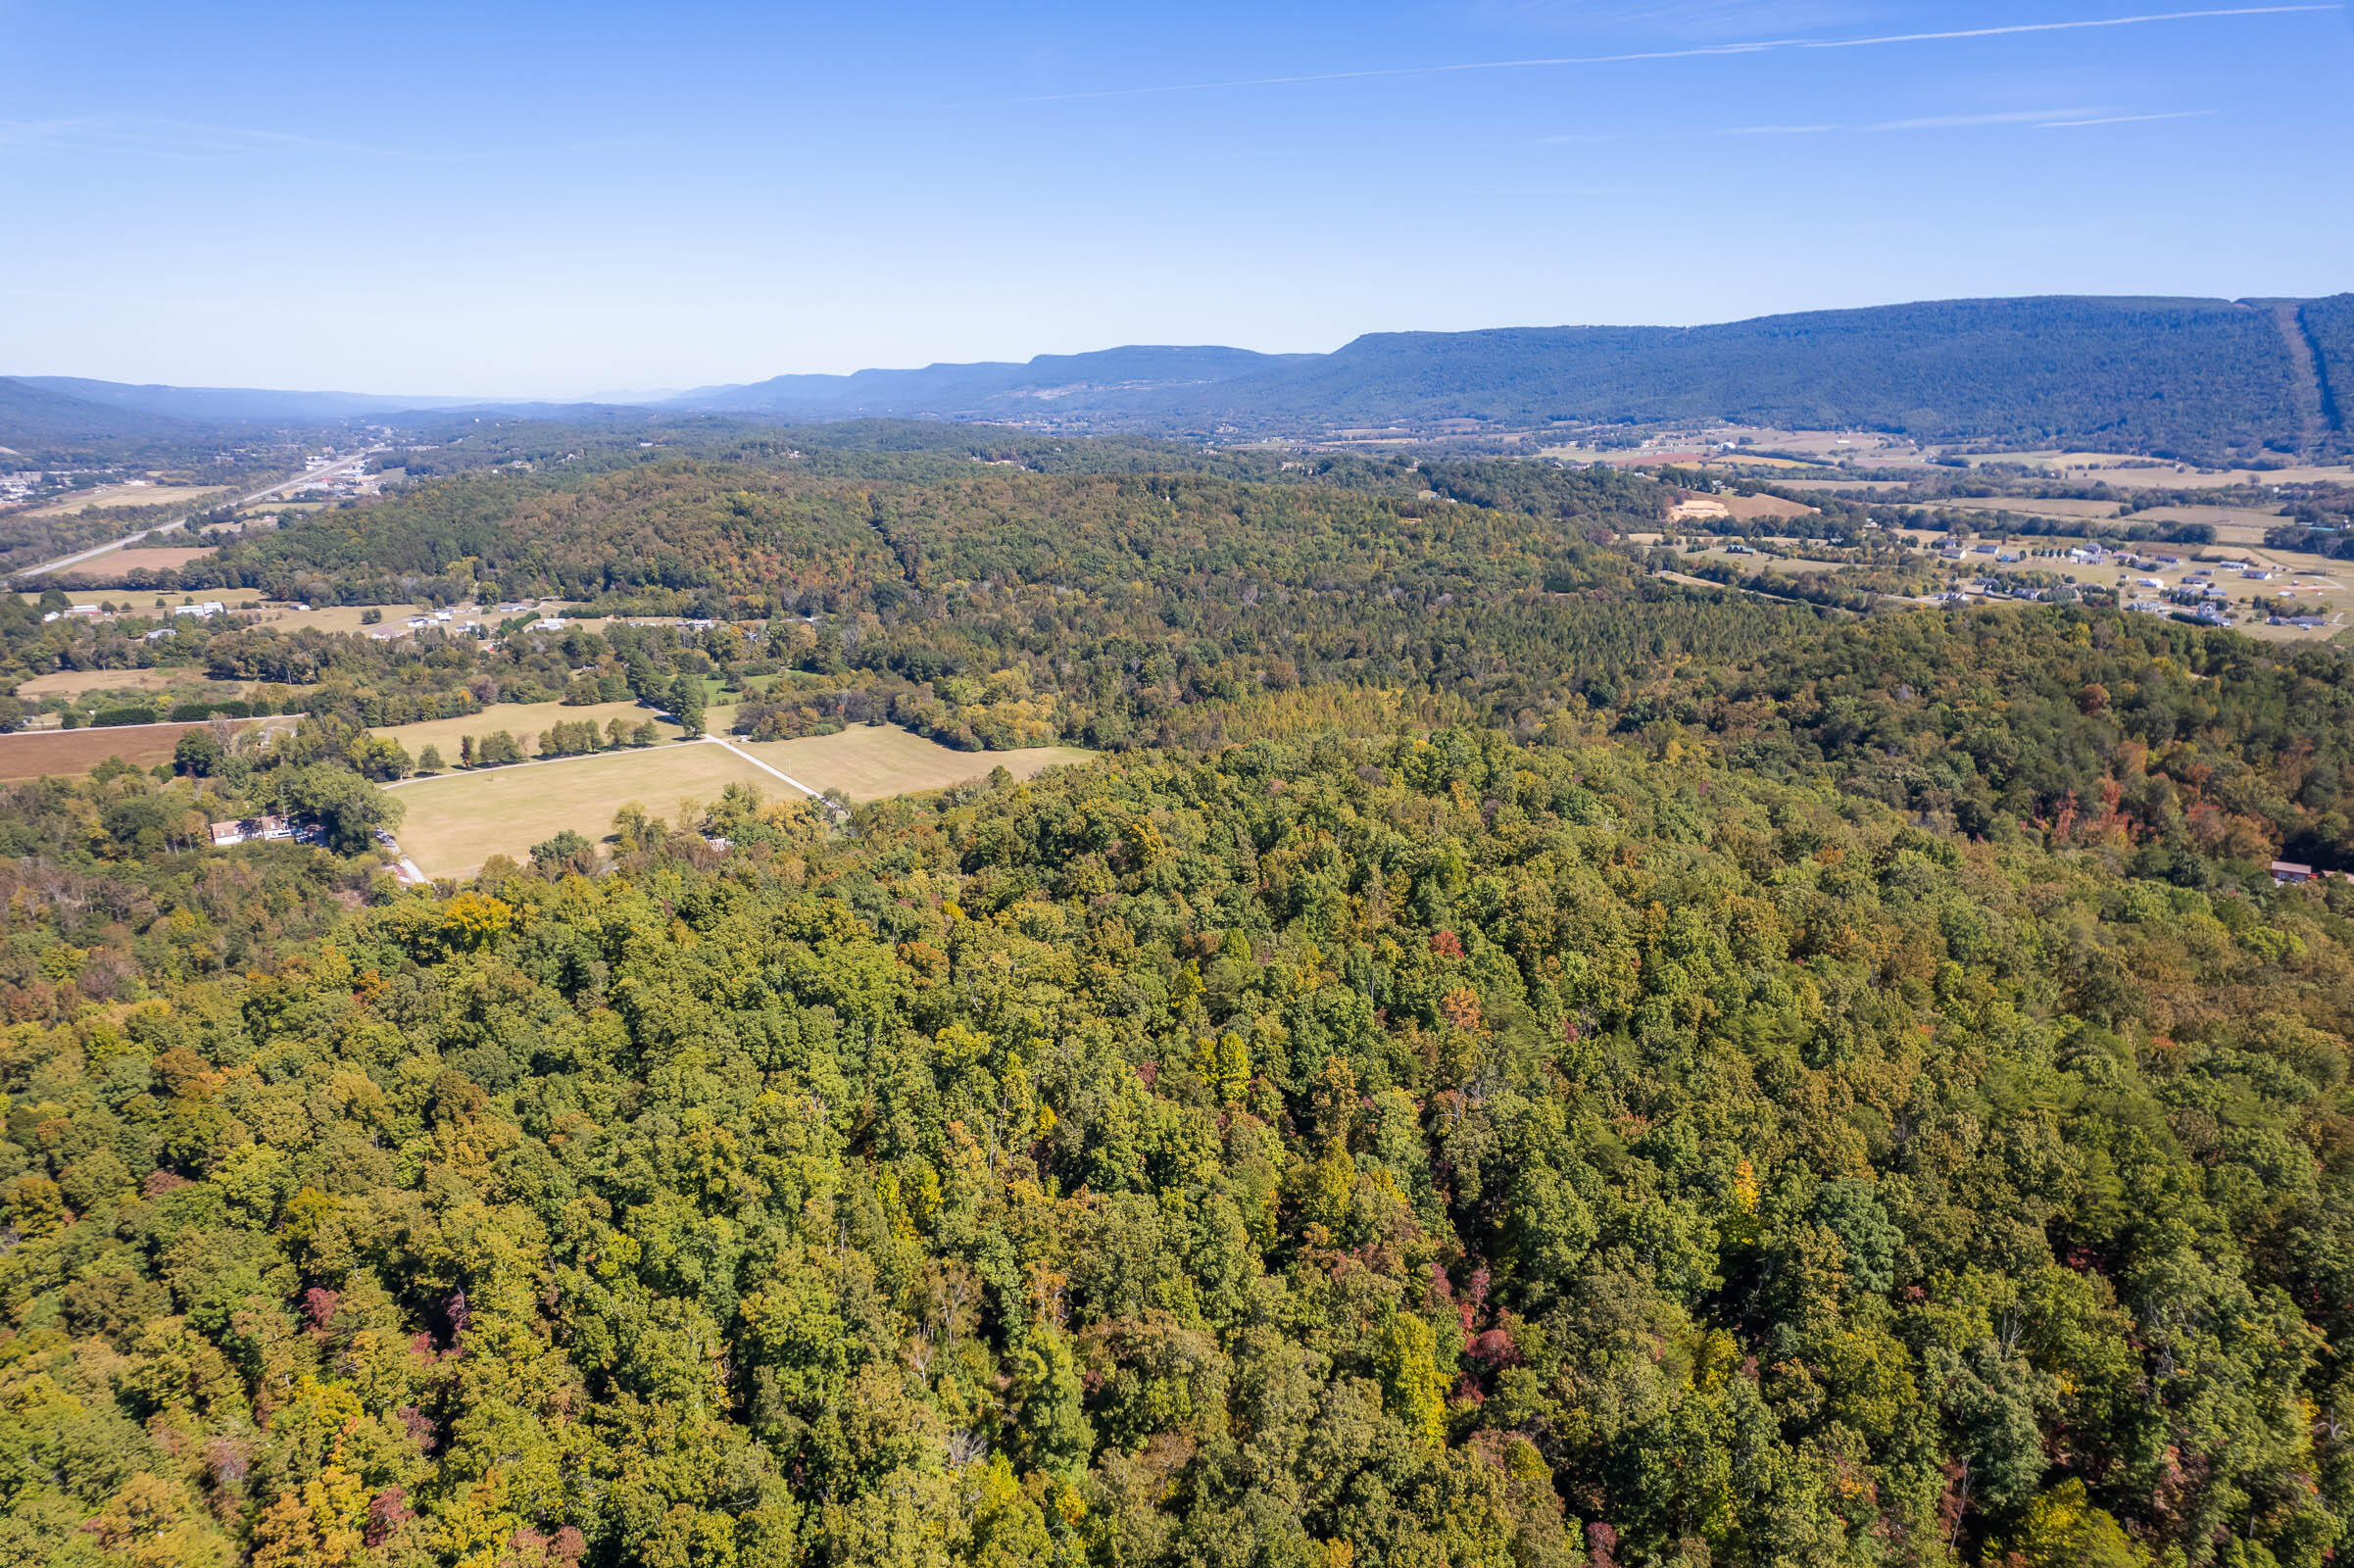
[
  {"x": 868, "y": 761},
  {"x": 455, "y": 821},
  {"x": 1751, "y": 508},
  {"x": 1744, "y": 508}
]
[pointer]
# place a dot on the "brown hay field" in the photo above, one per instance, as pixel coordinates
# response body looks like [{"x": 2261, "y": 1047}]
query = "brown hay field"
[
  {"x": 66, "y": 753},
  {"x": 1749, "y": 509},
  {"x": 75, "y": 682},
  {"x": 1698, "y": 506},
  {"x": 123, "y": 495},
  {"x": 115, "y": 564}
]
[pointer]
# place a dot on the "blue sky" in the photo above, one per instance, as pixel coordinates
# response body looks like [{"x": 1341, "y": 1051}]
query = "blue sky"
[{"x": 543, "y": 200}]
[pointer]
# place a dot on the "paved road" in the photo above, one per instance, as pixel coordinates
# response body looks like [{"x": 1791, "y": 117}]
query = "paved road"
[{"x": 312, "y": 477}]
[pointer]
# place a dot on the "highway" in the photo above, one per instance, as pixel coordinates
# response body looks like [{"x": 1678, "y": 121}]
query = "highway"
[{"x": 309, "y": 476}]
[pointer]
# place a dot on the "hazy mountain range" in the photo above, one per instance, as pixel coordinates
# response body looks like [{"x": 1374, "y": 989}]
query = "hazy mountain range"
[{"x": 2195, "y": 377}]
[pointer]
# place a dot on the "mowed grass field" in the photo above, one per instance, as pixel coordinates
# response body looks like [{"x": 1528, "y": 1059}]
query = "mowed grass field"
[
  {"x": 455, "y": 821},
  {"x": 868, "y": 761},
  {"x": 522, "y": 720}
]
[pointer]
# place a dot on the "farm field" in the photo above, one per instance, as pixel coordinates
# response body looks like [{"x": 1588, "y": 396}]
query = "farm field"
[
  {"x": 2169, "y": 479},
  {"x": 123, "y": 495},
  {"x": 868, "y": 761},
  {"x": 522, "y": 720},
  {"x": 2233, "y": 525},
  {"x": 110, "y": 566},
  {"x": 2125, "y": 471},
  {"x": 65, "y": 753},
  {"x": 1749, "y": 509},
  {"x": 1744, "y": 508},
  {"x": 455, "y": 821}
]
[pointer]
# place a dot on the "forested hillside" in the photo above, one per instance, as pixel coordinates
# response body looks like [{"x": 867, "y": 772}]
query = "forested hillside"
[
  {"x": 39, "y": 425},
  {"x": 1425, "y": 1151},
  {"x": 1503, "y": 1061},
  {"x": 2175, "y": 377},
  {"x": 2199, "y": 378}
]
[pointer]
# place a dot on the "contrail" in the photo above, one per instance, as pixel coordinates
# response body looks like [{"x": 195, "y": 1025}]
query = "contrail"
[
  {"x": 2126, "y": 120},
  {"x": 1760, "y": 46}
]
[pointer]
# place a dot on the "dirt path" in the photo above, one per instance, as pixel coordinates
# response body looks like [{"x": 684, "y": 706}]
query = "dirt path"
[{"x": 780, "y": 773}]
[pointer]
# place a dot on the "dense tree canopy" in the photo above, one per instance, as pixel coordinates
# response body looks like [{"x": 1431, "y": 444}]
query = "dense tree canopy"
[
  {"x": 1503, "y": 1060},
  {"x": 1445, "y": 1150}
]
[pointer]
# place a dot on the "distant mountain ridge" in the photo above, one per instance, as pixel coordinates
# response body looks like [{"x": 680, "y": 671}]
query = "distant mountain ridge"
[
  {"x": 1104, "y": 379},
  {"x": 235, "y": 403},
  {"x": 2201, "y": 379},
  {"x": 2195, "y": 377},
  {"x": 37, "y": 419}
]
